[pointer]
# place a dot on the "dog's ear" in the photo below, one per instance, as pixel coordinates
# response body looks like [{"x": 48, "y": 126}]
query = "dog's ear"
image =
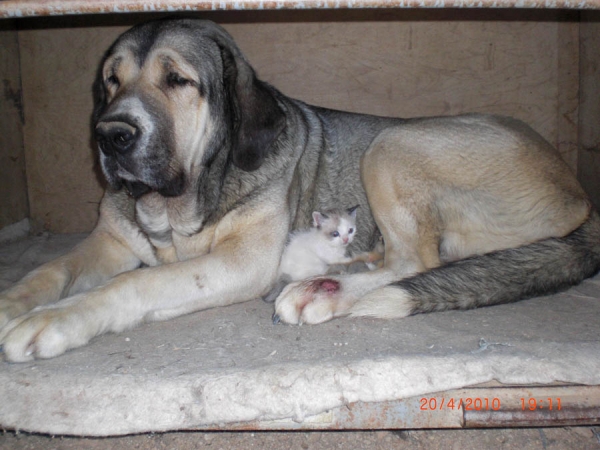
[
  {"x": 99, "y": 93},
  {"x": 256, "y": 120}
]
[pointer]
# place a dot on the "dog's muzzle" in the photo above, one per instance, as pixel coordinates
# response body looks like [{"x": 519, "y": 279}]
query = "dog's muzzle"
[{"x": 116, "y": 137}]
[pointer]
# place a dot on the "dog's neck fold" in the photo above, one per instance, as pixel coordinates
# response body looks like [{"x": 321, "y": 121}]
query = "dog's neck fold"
[{"x": 159, "y": 216}]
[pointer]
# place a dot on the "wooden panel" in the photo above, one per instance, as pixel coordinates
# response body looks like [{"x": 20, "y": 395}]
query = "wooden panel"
[
  {"x": 402, "y": 63},
  {"x": 589, "y": 131},
  {"x": 13, "y": 188},
  {"x": 567, "y": 72},
  {"x": 422, "y": 68},
  {"x": 59, "y": 66}
]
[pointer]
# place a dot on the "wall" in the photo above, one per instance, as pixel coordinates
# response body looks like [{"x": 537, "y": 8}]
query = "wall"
[
  {"x": 589, "y": 123},
  {"x": 397, "y": 62},
  {"x": 13, "y": 188}
]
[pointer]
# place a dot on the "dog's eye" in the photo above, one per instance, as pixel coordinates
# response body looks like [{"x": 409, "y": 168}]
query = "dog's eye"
[
  {"x": 112, "y": 81},
  {"x": 176, "y": 80}
]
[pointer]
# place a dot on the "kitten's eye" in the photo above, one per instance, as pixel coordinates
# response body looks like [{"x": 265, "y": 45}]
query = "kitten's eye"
[
  {"x": 335, "y": 234},
  {"x": 351, "y": 230}
]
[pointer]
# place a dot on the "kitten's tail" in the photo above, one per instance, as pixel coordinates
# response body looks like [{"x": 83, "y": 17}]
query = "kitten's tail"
[{"x": 504, "y": 276}]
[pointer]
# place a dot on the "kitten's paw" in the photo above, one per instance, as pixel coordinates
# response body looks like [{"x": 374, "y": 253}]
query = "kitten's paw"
[
  {"x": 311, "y": 301},
  {"x": 358, "y": 267}
]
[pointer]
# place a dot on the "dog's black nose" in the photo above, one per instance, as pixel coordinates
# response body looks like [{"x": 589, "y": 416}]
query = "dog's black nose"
[{"x": 116, "y": 137}]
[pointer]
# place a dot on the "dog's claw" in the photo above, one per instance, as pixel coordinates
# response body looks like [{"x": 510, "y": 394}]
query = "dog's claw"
[{"x": 276, "y": 319}]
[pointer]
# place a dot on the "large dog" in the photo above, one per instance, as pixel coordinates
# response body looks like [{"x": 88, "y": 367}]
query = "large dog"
[{"x": 209, "y": 169}]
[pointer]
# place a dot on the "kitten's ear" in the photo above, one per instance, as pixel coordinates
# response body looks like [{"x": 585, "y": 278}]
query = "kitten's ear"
[
  {"x": 352, "y": 211},
  {"x": 318, "y": 219}
]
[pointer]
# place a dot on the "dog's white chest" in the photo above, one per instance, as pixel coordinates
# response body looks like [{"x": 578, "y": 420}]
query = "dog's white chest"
[{"x": 152, "y": 216}]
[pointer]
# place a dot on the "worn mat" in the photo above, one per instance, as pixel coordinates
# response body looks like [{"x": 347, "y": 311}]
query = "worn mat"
[{"x": 229, "y": 365}]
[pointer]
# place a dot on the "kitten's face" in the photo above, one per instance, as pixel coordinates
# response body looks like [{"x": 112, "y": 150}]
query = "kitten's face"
[
  {"x": 338, "y": 228},
  {"x": 339, "y": 231}
]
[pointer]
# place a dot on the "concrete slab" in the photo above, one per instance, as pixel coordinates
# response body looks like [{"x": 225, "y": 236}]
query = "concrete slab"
[{"x": 229, "y": 365}]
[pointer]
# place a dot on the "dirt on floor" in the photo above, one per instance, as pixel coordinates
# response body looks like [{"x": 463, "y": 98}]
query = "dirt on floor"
[{"x": 581, "y": 438}]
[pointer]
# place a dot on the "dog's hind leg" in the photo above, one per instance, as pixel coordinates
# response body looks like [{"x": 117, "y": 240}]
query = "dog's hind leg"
[
  {"x": 503, "y": 276},
  {"x": 402, "y": 196}
]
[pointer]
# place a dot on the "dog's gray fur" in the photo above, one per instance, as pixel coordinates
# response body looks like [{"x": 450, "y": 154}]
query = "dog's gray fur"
[{"x": 209, "y": 169}]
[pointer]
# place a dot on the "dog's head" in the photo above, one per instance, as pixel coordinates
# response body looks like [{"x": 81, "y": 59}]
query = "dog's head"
[{"x": 171, "y": 97}]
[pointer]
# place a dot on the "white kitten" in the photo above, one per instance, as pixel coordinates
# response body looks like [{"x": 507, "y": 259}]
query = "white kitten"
[{"x": 311, "y": 252}]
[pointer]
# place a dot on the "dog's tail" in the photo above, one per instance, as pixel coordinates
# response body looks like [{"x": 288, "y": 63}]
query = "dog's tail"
[{"x": 503, "y": 276}]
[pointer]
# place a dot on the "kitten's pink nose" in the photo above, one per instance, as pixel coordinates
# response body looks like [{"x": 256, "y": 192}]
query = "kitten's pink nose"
[{"x": 345, "y": 239}]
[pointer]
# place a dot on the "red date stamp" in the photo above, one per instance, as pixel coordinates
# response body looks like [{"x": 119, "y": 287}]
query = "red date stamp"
[
  {"x": 468, "y": 403},
  {"x": 486, "y": 404},
  {"x": 549, "y": 404}
]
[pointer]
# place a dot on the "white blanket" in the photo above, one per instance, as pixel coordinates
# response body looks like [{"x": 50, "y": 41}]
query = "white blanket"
[{"x": 232, "y": 364}]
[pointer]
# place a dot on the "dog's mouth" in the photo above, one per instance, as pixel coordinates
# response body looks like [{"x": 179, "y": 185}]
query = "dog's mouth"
[
  {"x": 124, "y": 175},
  {"x": 166, "y": 185},
  {"x": 119, "y": 177},
  {"x": 134, "y": 187},
  {"x": 139, "y": 177}
]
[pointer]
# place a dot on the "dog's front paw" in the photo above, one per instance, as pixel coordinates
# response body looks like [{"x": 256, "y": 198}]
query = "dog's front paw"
[
  {"x": 9, "y": 309},
  {"x": 311, "y": 301},
  {"x": 43, "y": 333}
]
